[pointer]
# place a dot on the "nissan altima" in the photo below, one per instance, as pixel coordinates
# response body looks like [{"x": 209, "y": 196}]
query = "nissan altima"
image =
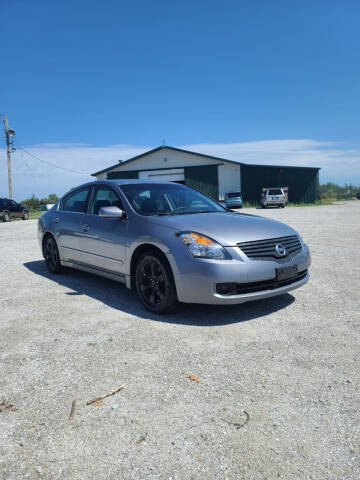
[{"x": 172, "y": 244}]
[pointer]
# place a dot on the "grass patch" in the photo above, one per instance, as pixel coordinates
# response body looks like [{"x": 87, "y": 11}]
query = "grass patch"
[
  {"x": 313, "y": 204},
  {"x": 34, "y": 214}
]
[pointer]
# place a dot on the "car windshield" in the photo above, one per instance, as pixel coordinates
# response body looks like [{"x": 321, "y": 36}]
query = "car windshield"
[
  {"x": 168, "y": 199},
  {"x": 275, "y": 191},
  {"x": 234, "y": 194}
]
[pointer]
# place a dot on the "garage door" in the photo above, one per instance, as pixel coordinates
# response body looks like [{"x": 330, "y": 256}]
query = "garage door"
[{"x": 170, "y": 175}]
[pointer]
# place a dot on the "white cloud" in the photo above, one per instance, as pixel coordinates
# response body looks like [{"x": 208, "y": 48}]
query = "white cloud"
[{"x": 338, "y": 162}]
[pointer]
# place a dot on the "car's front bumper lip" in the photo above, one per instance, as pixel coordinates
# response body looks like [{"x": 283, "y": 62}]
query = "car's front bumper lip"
[{"x": 196, "y": 279}]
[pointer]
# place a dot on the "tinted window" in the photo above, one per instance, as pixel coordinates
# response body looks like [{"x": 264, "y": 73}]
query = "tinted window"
[
  {"x": 234, "y": 194},
  {"x": 167, "y": 199},
  {"x": 104, "y": 197},
  {"x": 75, "y": 201},
  {"x": 275, "y": 191}
]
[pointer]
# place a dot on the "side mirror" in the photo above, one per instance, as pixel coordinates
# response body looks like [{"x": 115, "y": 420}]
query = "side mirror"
[{"x": 111, "y": 212}]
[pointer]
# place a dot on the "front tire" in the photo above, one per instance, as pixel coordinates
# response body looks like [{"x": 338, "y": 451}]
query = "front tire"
[
  {"x": 51, "y": 255},
  {"x": 155, "y": 284}
]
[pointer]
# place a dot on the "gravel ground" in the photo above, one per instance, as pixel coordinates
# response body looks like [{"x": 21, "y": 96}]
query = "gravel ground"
[{"x": 291, "y": 363}]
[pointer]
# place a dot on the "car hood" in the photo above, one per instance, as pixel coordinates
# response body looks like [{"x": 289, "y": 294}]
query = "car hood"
[{"x": 226, "y": 227}]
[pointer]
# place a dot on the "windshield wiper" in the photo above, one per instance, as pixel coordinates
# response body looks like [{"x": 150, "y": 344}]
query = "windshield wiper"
[
  {"x": 163, "y": 214},
  {"x": 199, "y": 211}
]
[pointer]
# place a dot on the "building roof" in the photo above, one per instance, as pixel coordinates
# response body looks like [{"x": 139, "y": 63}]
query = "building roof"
[{"x": 132, "y": 159}]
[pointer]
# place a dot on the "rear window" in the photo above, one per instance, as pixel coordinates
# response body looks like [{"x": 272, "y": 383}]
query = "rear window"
[
  {"x": 234, "y": 194},
  {"x": 275, "y": 191}
]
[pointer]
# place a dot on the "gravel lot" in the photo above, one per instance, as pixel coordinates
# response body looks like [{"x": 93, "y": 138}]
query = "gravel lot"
[{"x": 291, "y": 362}]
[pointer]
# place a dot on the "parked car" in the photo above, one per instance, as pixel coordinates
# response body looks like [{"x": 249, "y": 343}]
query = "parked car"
[
  {"x": 233, "y": 200},
  {"x": 10, "y": 208},
  {"x": 358, "y": 195},
  {"x": 273, "y": 197},
  {"x": 171, "y": 243}
]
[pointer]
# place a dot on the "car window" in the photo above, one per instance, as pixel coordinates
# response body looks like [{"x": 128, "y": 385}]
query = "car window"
[
  {"x": 75, "y": 201},
  {"x": 13, "y": 203},
  {"x": 275, "y": 191},
  {"x": 234, "y": 195},
  {"x": 104, "y": 197}
]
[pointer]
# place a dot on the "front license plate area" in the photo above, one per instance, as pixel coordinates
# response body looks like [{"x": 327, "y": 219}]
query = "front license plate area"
[{"x": 284, "y": 273}]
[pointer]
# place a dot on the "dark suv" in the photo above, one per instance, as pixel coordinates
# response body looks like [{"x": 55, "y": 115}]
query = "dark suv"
[{"x": 10, "y": 208}]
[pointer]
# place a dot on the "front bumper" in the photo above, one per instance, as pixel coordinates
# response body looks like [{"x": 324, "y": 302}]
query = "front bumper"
[{"x": 196, "y": 279}]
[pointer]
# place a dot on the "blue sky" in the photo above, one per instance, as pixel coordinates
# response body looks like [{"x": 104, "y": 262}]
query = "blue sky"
[{"x": 86, "y": 82}]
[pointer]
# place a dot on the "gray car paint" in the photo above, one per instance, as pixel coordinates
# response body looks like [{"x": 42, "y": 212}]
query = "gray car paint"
[{"x": 108, "y": 245}]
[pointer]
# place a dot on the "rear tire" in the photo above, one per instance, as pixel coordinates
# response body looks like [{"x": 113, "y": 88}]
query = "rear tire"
[
  {"x": 51, "y": 255},
  {"x": 6, "y": 217},
  {"x": 25, "y": 216},
  {"x": 155, "y": 284}
]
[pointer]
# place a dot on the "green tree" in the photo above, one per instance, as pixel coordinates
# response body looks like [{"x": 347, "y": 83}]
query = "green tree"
[{"x": 32, "y": 203}]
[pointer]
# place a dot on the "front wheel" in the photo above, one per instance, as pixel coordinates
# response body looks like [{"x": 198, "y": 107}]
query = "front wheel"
[
  {"x": 51, "y": 255},
  {"x": 155, "y": 283}
]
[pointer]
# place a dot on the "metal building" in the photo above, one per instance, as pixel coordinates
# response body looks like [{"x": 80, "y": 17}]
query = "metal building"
[{"x": 216, "y": 176}]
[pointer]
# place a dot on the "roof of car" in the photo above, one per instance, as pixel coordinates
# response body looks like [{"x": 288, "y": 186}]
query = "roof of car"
[{"x": 121, "y": 182}]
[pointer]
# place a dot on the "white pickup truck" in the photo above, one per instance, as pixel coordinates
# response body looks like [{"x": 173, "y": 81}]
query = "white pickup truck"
[{"x": 273, "y": 197}]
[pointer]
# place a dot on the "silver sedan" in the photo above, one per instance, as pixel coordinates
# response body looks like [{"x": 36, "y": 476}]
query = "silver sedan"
[{"x": 172, "y": 244}]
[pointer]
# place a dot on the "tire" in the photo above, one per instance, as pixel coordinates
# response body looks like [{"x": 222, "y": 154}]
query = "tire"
[
  {"x": 25, "y": 216},
  {"x": 155, "y": 284},
  {"x": 51, "y": 255},
  {"x": 6, "y": 217},
  {"x": 282, "y": 206}
]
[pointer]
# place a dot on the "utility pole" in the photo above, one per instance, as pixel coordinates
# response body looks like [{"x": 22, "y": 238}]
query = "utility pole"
[{"x": 9, "y": 135}]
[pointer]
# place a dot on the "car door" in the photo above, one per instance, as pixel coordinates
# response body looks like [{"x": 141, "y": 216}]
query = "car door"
[
  {"x": 66, "y": 223},
  {"x": 13, "y": 208},
  {"x": 102, "y": 240}
]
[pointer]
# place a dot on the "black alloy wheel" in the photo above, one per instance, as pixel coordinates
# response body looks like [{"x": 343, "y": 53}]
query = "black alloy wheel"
[
  {"x": 155, "y": 284},
  {"x": 51, "y": 255}
]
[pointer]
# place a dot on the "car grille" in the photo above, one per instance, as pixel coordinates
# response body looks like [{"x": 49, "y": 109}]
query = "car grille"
[
  {"x": 253, "y": 287},
  {"x": 266, "y": 248}
]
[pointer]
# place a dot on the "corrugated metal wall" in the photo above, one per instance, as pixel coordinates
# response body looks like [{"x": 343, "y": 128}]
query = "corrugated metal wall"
[
  {"x": 203, "y": 178},
  {"x": 303, "y": 183}
]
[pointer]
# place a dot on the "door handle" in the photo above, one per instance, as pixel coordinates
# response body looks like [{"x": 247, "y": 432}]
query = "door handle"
[{"x": 85, "y": 228}]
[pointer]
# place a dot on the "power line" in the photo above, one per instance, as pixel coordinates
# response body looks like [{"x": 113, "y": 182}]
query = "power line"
[{"x": 52, "y": 164}]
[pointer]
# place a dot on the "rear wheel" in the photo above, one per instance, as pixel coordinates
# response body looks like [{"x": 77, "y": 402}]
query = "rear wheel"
[
  {"x": 6, "y": 217},
  {"x": 51, "y": 255},
  {"x": 155, "y": 283},
  {"x": 25, "y": 216}
]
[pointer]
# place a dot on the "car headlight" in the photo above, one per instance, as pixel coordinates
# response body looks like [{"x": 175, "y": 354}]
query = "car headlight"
[{"x": 201, "y": 246}]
